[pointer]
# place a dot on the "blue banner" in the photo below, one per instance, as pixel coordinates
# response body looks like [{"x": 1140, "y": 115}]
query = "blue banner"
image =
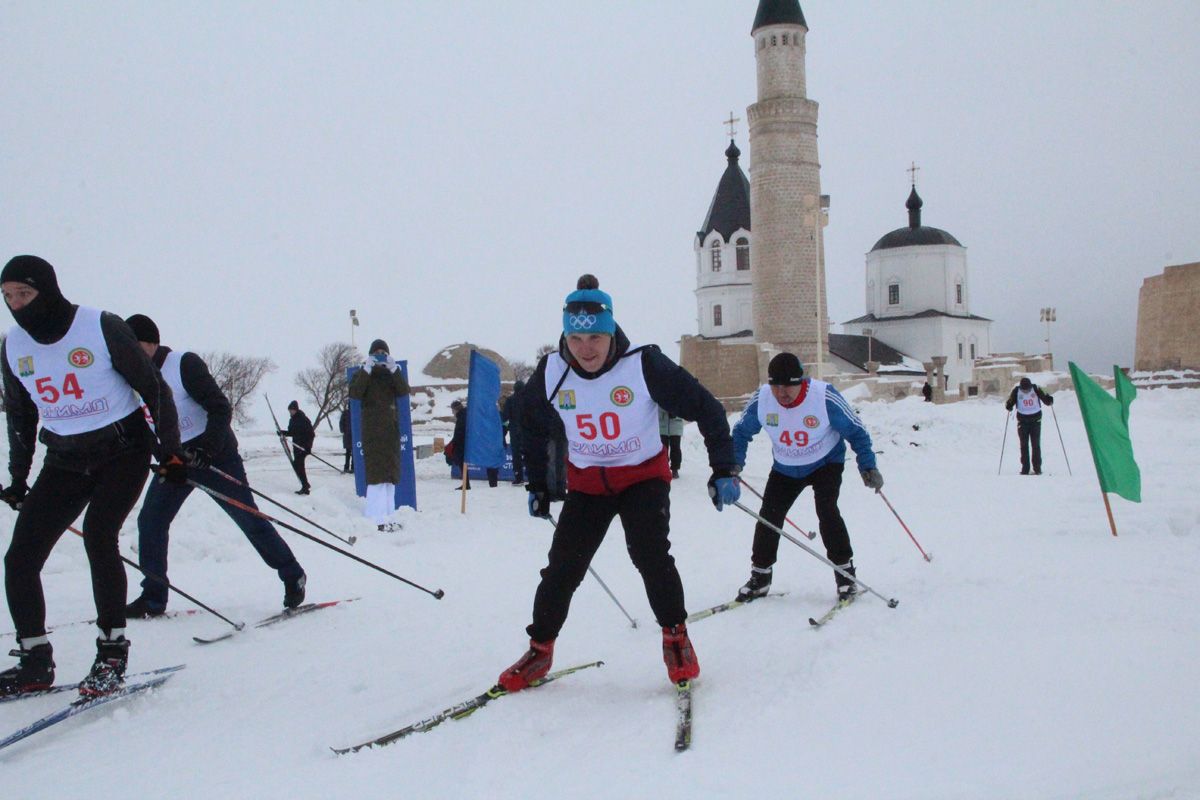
[
  {"x": 485, "y": 437},
  {"x": 406, "y": 489}
]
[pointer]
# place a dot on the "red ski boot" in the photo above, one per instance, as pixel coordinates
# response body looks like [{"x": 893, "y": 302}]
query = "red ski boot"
[
  {"x": 678, "y": 654},
  {"x": 529, "y": 667}
]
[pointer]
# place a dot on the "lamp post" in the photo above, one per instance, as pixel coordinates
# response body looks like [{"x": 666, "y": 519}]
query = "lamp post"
[
  {"x": 1049, "y": 315},
  {"x": 869, "y": 332},
  {"x": 353, "y": 325},
  {"x": 817, "y": 206}
]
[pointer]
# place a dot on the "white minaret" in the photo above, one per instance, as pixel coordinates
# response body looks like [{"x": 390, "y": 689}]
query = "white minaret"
[{"x": 787, "y": 259}]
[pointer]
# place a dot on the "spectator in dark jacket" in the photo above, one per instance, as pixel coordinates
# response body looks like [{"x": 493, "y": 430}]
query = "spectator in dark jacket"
[
  {"x": 347, "y": 440},
  {"x": 300, "y": 429},
  {"x": 377, "y": 385},
  {"x": 458, "y": 448},
  {"x": 510, "y": 416}
]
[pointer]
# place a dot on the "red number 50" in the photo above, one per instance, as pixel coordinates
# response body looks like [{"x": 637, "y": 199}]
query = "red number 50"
[{"x": 610, "y": 426}]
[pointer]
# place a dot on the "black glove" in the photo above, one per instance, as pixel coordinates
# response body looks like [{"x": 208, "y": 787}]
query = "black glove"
[
  {"x": 173, "y": 470},
  {"x": 539, "y": 502},
  {"x": 872, "y": 479},
  {"x": 14, "y": 493},
  {"x": 197, "y": 457},
  {"x": 1049, "y": 399},
  {"x": 281, "y": 433}
]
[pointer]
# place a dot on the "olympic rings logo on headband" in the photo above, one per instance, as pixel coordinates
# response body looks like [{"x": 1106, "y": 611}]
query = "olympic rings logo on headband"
[{"x": 582, "y": 322}]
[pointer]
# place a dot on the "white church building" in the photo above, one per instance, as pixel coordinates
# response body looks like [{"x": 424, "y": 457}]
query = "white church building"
[
  {"x": 724, "y": 290},
  {"x": 918, "y": 298}
]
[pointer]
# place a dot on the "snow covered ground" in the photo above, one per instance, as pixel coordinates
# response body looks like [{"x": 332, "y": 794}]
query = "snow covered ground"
[{"x": 1035, "y": 657}]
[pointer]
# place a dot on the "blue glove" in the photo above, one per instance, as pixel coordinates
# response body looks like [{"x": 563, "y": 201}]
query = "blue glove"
[
  {"x": 724, "y": 489},
  {"x": 539, "y": 503}
]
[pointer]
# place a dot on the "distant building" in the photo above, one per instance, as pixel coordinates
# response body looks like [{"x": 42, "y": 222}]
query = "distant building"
[
  {"x": 918, "y": 297},
  {"x": 1168, "y": 321}
]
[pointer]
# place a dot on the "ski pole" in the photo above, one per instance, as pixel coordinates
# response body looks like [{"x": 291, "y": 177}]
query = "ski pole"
[
  {"x": 237, "y": 626},
  {"x": 437, "y": 594},
  {"x": 317, "y": 457},
  {"x": 892, "y": 603},
  {"x": 1060, "y": 440},
  {"x": 603, "y": 585},
  {"x": 810, "y": 536},
  {"x": 282, "y": 438},
  {"x": 902, "y": 525},
  {"x": 1004, "y": 441},
  {"x": 232, "y": 479}
]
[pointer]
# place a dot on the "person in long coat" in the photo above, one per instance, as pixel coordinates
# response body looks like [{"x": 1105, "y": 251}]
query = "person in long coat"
[
  {"x": 347, "y": 440},
  {"x": 376, "y": 386}
]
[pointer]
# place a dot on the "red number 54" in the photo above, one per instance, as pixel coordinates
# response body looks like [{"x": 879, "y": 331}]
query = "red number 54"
[{"x": 50, "y": 394}]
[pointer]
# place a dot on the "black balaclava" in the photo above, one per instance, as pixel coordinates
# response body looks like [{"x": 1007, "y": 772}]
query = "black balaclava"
[{"x": 48, "y": 318}]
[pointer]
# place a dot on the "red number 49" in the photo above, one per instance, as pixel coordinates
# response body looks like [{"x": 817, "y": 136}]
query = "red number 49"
[{"x": 797, "y": 438}]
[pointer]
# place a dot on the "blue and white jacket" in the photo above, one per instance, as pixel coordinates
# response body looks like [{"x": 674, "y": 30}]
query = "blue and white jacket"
[{"x": 841, "y": 418}]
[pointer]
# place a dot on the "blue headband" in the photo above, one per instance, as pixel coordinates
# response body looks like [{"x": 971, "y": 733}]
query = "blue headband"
[{"x": 588, "y": 311}]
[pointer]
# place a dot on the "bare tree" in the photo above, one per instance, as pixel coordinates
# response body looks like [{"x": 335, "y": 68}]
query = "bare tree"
[
  {"x": 238, "y": 377},
  {"x": 544, "y": 349},
  {"x": 521, "y": 370},
  {"x": 325, "y": 384}
]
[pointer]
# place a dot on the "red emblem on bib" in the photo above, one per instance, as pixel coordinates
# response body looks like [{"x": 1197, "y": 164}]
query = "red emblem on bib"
[
  {"x": 81, "y": 357},
  {"x": 621, "y": 396},
  {"x": 811, "y": 422}
]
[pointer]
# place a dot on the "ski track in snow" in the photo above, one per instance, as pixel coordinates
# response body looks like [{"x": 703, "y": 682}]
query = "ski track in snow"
[{"x": 1035, "y": 657}]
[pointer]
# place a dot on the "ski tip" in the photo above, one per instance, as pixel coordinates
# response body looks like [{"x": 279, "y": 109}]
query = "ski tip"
[
  {"x": 893, "y": 603},
  {"x": 439, "y": 594},
  {"x": 813, "y": 621}
]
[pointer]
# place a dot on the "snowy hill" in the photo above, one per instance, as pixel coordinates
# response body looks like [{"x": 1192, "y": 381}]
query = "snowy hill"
[{"x": 1035, "y": 657}]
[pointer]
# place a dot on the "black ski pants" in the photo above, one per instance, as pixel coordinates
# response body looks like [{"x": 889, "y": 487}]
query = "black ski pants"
[
  {"x": 162, "y": 504},
  {"x": 56, "y": 498},
  {"x": 645, "y": 512},
  {"x": 1029, "y": 432},
  {"x": 779, "y": 495},
  {"x": 674, "y": 449},
  {"x": 298, "y": 456}
]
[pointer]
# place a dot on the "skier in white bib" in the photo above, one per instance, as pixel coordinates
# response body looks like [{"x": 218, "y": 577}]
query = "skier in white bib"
[
  {"x": 604, "y": 395},
  {"x": 78, "y": 371},
  {"x": 809, "y": 423},
  {"x": 1027, "y": 397}
]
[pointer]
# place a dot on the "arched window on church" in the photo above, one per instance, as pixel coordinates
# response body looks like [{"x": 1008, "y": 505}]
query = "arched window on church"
[
  {"x": 893, "y": 294},
  {"x": 743, "y": 253},
  {"x": 715, "y": 247},
  {"x": 972, "y": 351},
  {"x": 717, "y": 315},
  {"x": 960, "y": 351},
  {"x": 958, "y": 293}
]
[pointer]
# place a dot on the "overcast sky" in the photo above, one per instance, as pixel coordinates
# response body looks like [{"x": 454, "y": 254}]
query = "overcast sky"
[{"x": 246, "y": 173}]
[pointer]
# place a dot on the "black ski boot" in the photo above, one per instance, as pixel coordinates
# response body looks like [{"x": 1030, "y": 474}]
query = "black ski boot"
[
  {"x": 293, "y": 591},
  {"x": 141, "y": 608},
  {"x": 847, "y": 589},
  {"x": 108, "y": 671},
  {"x": 758, "y": 585},
  {"x": 33, "y": 673}
]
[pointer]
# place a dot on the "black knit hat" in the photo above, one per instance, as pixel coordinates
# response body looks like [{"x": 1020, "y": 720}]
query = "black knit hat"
[
  {"x": 32, "y": 271},
  {"x": 377, "y": 345},
  {"x": 785, "y": 370},
  {"x": 143, "y": 328},
  {"x": 293, "y": 405}
]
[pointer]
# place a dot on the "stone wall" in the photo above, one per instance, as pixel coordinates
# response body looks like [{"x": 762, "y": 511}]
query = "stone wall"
[
  {"x": 1168, "y": 323},
  {"x": 730, "y": 369}
]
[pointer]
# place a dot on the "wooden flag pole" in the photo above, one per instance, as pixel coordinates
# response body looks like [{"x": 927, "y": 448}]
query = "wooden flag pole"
[
  {"x": 1111, "y": 523},
  {"x": 463, "y": 487}
]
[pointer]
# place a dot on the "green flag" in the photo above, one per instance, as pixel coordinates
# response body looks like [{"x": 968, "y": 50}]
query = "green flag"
[{"x": 1106, "y": 419}]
